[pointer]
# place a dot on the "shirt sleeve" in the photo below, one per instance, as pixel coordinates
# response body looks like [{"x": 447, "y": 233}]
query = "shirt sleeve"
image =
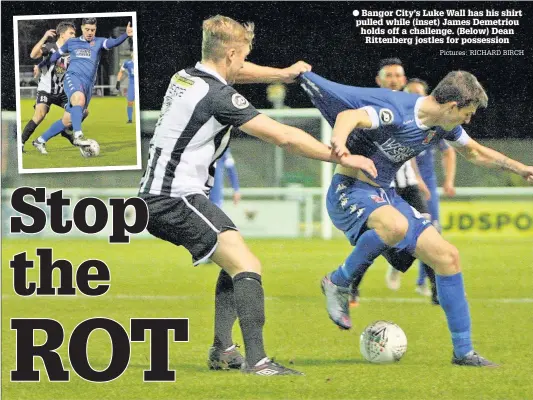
[
  {"x": 123, "y": 66},
  {"x": 381, "y": 116},
  {"x": 457, "y": 136},
  {"x": 232, "y": 108}
]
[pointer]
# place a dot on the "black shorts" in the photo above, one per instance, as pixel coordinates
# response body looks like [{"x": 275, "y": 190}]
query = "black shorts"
[
  {"x": 402, "y": 260},
  {"x": 43, "y": 97},
  {"x": 191, "y": 221},
  {"x": 414, "y": 197}
]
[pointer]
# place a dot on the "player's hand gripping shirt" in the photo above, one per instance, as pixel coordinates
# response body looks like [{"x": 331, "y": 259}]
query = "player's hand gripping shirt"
[{"x": 397, "y": 134}]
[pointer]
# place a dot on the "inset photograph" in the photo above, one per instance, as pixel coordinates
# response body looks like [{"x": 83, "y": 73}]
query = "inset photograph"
[{"x": 77, "y": 92}]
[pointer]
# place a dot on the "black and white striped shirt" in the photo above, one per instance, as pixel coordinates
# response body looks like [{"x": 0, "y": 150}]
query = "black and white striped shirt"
[
  {"x": 52, "y": 76},
  {"x": 405, "y": 176},
  {"x": 192, "y": 132}
]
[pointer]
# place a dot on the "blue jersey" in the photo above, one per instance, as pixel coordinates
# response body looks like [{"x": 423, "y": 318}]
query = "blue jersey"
[
  {"x": 129, "y": 67},
  {"x": 396, "y": 135},
  {"x": 426, "y": 161},
  {"x": 84, "y": 56}
]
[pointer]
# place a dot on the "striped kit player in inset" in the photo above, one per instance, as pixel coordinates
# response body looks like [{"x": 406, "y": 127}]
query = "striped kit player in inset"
[{"x": 50, "y": 87}]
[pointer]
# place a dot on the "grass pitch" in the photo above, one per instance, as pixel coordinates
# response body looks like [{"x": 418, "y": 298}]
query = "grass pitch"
[
  {"x": 150, "y": 278},
  {"x": 106, "y": 124}
]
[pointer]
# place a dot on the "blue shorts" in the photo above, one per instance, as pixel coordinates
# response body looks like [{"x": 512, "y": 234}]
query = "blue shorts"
[
  {"x": 72, "y": 84},
  {"x": 351, "y": 201},
  {"x": 131, "y": 92}
]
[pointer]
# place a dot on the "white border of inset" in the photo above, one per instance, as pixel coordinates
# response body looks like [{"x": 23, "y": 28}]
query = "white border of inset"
[{"x": 138, "y": 165}]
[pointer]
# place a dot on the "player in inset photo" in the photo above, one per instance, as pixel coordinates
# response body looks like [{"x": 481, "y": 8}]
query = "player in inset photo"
[
  {"x": 75, "y": 73},
  {"x": 128, "y": 66}
]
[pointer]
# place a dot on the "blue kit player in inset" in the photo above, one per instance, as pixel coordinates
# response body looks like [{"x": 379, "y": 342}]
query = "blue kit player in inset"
[
  {"x": 80, "y": 77},
  {"x": 388, "y": 128},
  {"x": 225, "y": 163},
  {"x": 128, "y": 67}
]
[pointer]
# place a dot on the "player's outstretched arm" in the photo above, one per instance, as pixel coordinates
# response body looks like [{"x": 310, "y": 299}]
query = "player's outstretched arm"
[
  {"x": 37, "y": 51},
  {"x": 449, "y": 164},
  {"x": 119, "y": 77},
  {"x": 253, "y": 73},
  {"x": 299, "y": 142},
  {"x": 487, "y": 157},
  {"x": 345, "y": 123},
  {"x": 114, "y": 42},
  {"x": 421, "y": 184}
]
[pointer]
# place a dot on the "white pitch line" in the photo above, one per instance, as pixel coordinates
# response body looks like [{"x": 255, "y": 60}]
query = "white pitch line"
[{"x": 187, "y": 297}]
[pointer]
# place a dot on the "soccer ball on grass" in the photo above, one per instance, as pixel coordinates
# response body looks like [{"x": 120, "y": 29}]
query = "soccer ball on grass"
[
  {"x": 383, "y": 342},
  {"x": 90, "y": 150}
]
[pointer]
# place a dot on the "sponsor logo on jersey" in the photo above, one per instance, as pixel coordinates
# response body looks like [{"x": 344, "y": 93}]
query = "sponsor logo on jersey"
[
  {"x": 377, "y": 199},
  {"x": 182, "y": 81},
  {"x": 395, "y": 151},
  {"x": 239, "y": 101},
  {"x": 386, "y": 116},
  {"x": 83, "y": 53},
  {"x": 429, "y": 136}
]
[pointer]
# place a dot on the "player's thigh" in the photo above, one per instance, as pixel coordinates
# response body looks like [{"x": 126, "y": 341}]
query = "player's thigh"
[
  {"x": 439, "y": 254},
  {"x": 233, "y": 255},
  {"x": 41, "y": 109}
]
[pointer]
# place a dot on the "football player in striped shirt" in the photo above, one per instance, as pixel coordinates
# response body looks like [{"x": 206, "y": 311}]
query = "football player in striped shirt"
[{"x": 50, "y": 87}]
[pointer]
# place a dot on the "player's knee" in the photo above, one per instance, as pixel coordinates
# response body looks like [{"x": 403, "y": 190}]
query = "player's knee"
[
  {"x": 449, "y": 261},
  {"x": 66, "y": 121}
]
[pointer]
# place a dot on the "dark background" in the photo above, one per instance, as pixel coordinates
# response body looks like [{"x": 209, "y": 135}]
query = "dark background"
[{"x": 320, "y": 33}]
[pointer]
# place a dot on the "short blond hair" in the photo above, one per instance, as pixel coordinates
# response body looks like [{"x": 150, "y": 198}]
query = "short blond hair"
[{"x": 219, "y": 32}]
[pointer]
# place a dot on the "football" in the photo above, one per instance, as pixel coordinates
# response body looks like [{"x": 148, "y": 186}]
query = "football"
[
  {"x": 383, "y": 342},
  {"x": 90, "y": 150}
]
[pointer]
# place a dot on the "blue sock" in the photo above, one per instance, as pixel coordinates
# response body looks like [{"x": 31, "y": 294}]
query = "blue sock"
[
  {"x": 54, "y": 130},
  {"x": 130, "y": 113},
  {"x": 76, "y": 113},
  {"x": 452, "y": 299},
  {"x": 421, "y": 274},
  {"x": 368, "y": 247}
]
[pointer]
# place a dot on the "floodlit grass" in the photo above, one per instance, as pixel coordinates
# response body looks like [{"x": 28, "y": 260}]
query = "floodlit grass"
[
  {"x": 153, "y": 279},
  {"x": 106, "y": 124}
]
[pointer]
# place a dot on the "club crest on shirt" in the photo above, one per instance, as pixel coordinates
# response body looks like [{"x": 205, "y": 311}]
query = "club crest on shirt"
[
  {"x": 386, "y": 116},
  {"x": 430, "y": 135},
  {"x": 377, "y": 199},
  {"x": 239, "y": 101}
]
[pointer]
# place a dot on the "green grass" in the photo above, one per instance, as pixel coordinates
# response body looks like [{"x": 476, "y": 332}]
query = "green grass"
[
  {"x": 106, "y": 124},
  {"x": 297, "y": 328}
]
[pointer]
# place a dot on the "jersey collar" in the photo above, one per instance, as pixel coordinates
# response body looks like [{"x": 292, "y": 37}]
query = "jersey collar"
[
  {"x": 201, "y": 67},
  {"x": 417, "y": 108}
]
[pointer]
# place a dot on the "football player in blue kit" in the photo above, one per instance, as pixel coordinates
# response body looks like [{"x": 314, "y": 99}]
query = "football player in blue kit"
[
  {"x": 426, "y": 165},
  {"x": 128, "y": 66},
  {"x": 80, "y": 77},
  {"x": 389, "y": 128}
]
